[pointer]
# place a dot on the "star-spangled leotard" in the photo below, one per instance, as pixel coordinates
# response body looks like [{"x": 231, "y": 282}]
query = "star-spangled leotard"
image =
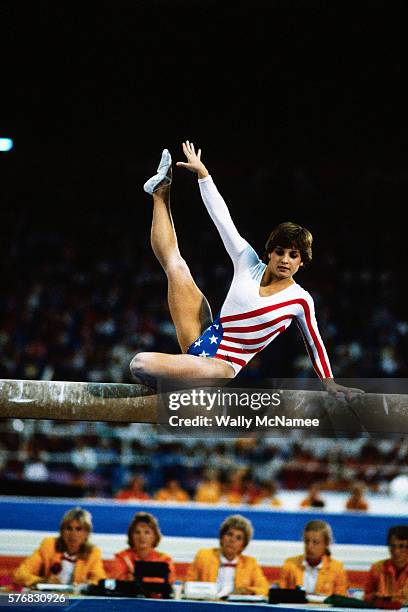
[{"x": 248, "y": 322}]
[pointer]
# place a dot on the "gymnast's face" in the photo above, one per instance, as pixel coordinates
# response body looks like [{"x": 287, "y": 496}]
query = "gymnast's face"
[{"x": 284, "y": 262}]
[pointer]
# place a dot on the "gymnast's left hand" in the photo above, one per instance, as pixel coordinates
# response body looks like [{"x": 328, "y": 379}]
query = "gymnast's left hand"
[
  {"x": 340, "y": 391},
  {"x": 193, "y": 163}
]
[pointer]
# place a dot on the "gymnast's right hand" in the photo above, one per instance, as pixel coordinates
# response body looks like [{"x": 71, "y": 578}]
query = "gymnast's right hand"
[{"x": 193, "y": 163}]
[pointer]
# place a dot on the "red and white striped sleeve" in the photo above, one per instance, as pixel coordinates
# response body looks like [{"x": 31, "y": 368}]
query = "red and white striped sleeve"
[{"x": 306, "y": 321}]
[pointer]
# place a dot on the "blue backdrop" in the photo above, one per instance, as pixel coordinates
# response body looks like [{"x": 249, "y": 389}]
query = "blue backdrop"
[{"x": 45, "y": 515}]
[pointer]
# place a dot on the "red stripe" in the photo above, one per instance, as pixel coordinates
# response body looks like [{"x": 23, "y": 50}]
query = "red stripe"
[
  {"x": 259, "y": 311},
  {"x": 240, "y": 350},
  {"x": 256, "y": 340},
  {"x": 315, "y": 339},
  {"x": 305, "y": 306},
  {"x": 233, "y": 359},
  {"x": 258, "y": 326},
  {"x": 310, "y": 353}
]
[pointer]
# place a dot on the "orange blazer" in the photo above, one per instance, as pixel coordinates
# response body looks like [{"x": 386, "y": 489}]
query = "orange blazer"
[
  {"x": 353, "y": 505},
  {"x": 382, "y": 581},
  {"x": 165, "y": 495},
  {"x": 36, "y": 568},
  {"x": 331, "y": 578},
  {"x": 248, "y": 574},
  {"x": 122, "y": 567},
  {"x": 209, "y": 493}
]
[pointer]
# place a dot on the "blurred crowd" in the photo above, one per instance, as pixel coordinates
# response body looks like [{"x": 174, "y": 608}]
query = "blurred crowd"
[{"x": 133, "y": 461}]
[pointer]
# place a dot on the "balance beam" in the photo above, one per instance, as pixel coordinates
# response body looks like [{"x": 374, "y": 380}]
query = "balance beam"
[
  {"x": 77, "y": 401},
  {"x": 135, "y": 403},
  {"x": 373, "y": 413}
]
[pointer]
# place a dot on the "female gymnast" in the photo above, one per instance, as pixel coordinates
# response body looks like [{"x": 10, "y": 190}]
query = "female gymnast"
[{"x": 261, "y": 303}]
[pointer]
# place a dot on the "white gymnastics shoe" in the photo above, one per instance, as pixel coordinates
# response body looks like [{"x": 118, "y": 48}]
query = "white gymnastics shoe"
[{"x": 163, "y": 176}]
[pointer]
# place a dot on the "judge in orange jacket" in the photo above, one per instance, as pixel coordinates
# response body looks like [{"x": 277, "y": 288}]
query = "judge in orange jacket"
[
  {"x": 315, "y": 571},
  {"x": 143, "y": 537},
  {"x": 227, "y": 566},
  {"x": 69, "y": 558},
  {"x": 389, "y": 577}
]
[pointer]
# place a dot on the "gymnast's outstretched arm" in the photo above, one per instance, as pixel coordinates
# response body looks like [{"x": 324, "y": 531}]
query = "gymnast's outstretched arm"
[{"x": 234, "y": 243}]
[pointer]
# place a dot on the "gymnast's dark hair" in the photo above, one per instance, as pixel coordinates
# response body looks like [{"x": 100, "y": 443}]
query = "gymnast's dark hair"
[{"x": 288, "y": 235}]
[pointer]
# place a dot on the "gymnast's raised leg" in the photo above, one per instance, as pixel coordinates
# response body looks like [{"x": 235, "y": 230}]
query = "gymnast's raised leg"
[{"x": 189, "y": 309}]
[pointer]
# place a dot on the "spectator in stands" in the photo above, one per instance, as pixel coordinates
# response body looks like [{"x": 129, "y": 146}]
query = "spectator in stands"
[
  {"x": 234, "y": 489},
  {"x": 250, "y": 489},
  {"x": 172, "y": 492},
  {"x": 35, "y": 469},
  {"x": 389, "y": 578},
  {"x": 266, "y": 494},
  {"x": 143, "y": 537},
  {"x": 69, "y": 558},
  {"x": 357, "y": 501},
  {"x": 227, "y": 566},
  {"x": 83, "y": 456},
  {"x": 209, "y": 489},
  {"x": 135, "y": 490},
  {"x": 313, "y": 499},
  {"x": 3, "y": 459},
  {"x": 315, "y": 570},
  {"x": 77, "y": 478}
]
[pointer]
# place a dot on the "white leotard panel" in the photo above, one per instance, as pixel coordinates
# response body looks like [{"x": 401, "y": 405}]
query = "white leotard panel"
[{"x": 247, "y": 321}]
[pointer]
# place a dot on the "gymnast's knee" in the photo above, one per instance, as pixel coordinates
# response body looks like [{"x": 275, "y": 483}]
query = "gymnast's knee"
[
  {"x": 176, "y": 266},
  {"x": 141, "y": 364}
]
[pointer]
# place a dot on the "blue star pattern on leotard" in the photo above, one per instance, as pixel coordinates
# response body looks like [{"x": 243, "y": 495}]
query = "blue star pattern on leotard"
[{"x": 207, "y": 344}]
